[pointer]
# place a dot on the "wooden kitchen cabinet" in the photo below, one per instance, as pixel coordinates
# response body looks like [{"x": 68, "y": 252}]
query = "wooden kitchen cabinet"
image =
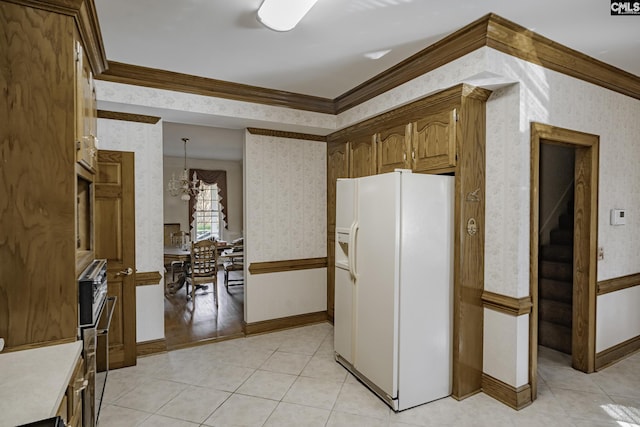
[
  {"x": 393, "y": 148},
  {"x": 71, "y": 406},
  {"x": 39, "y": 264},
  {"x": 433, "y": 142},
  {"x": 362, "y": 156}
]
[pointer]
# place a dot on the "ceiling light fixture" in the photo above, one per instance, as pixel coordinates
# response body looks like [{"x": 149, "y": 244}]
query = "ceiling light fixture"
[
  {"x": 377, "y": 54},
  {"x": 182, "y": 186},
  {"x": 283, "y": 15}
]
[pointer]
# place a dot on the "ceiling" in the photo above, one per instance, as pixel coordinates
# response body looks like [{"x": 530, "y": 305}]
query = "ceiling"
[{"x": 326, "y": 54}]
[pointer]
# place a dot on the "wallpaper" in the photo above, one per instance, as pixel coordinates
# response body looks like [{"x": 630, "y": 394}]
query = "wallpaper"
[
  {"x": 146, "y": 142},
  {"x": 172, "y": 105},
  {"x": 285, "y": 191}
]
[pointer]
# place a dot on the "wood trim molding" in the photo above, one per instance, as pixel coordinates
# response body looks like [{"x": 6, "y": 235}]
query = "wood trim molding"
[
  {"x": 285, "y": 323},
  {"x": 412, "y": 111},
  {"x": 517, "y": 398},
  {"x": 145, "y": 278},
  {"x": 287, "y": 265},
  {"x": 506, "y": 304},
  {"x": 161, "y": 79},
  {"x": 128, "y": 117},
  {"x": 618, "y": 283},
  {"x": 147, "y": 348},
  {"x": 491, "y": 31},
  {"x": 452, "y": 47},
  {"x": 515, "y": 40},
  {"x": 617, "y": 352},
  {"x": 284, "y": 134},
  {"x": 86, "y": 17}
]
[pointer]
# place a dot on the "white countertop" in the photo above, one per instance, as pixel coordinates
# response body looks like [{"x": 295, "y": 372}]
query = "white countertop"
[{"x": 33, "y": 382}]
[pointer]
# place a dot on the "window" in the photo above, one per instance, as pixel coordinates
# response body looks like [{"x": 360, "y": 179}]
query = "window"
[{"x": 207, "y": 213}]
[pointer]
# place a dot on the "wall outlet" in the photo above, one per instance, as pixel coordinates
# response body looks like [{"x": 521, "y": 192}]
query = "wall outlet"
[
  {"x": 600, "y": 253},
  {"x": 1, "y": 344}
]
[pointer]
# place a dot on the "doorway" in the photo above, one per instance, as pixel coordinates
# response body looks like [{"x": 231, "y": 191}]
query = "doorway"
[
  {"x": 218, "y": 153},
  {"x": 583, "y": 216}
]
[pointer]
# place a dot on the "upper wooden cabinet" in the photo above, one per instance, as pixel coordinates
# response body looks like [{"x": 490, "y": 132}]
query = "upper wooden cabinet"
[
  {"x": 85, "y": 111},
  {"x": 393, "y": 148},
  {"x": 434, "y": 142},
  {"x": 41, "y": 231},
  {"x": 362, "y": 156}
]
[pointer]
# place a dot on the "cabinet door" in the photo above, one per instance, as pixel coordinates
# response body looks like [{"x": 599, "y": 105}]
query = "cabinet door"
[
  {"x": 362, "y": 157},
  {"x": 337, "y": 167},
  {"x": 85, "y": 112},
  {"x": 434, "y": 142},
  {"x": 393, "y": 148}
]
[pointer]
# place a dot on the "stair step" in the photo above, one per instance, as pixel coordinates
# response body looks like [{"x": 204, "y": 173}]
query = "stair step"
[
  {"x": 565, "y": 221},
  {"x": 556, "y": 290},
  {"x": 561, "y": 253},
  {"x": 556, "y": 271},
  {"x": 554, "y": 336},
  {"x": 561, "y": 237},
  {"x": 555, "y": 312}
]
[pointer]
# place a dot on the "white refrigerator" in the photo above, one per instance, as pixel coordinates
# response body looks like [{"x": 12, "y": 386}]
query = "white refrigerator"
[{"x": 394, "y": 284}]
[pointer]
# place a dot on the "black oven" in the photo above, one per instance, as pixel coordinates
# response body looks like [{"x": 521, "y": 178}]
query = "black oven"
[{"x": 94, "y": 312}]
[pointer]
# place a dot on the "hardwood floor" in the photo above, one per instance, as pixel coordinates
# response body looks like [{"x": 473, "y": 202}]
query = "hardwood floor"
[{"x": 187, "y": 322}]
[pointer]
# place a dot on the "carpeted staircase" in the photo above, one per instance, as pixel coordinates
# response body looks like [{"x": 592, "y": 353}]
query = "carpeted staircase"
[{"x": 555, "y": 286}]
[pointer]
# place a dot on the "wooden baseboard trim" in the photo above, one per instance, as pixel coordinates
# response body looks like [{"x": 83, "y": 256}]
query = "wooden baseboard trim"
[
  {"x": 206, "y": 341},
  {"x": 506, "y": 304},
  {"x": 618, "y": 283},
  {"x": 285, "y": 323},
  {"x": 287, "y": 265},
  {"x": 145, "y": 278},
  {"x": 516, "y": 398},
  {"x": 146, "y": 348},
  {"x": 617, "y": 352}
]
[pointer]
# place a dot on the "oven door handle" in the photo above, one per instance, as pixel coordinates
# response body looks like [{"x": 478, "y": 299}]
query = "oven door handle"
[{"x": 111, "y": 305}]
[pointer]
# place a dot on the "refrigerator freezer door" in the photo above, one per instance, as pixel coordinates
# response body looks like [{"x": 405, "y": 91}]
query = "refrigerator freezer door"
[
  {"x": 343, "y": 315},
  {"x": 376, "y": 253}
]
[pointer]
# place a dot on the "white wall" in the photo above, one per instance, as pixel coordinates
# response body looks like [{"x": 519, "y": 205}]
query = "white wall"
[
  {"x": 177, "y": 211},
  {"x": 552, "y": 98},
  {"x": 523, "y": 92},
  {"x": 285, "y": 202},
  {"x": 145, "y": 141}
]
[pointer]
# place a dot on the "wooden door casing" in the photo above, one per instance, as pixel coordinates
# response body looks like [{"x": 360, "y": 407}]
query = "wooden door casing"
[
  {"x": 393, "y": 148},
  {"x": 115, "y": 241},
  {"x": 434, "y": 142}
]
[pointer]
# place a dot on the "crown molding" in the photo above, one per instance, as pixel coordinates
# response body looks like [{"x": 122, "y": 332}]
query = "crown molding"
[
  {"x": 86, "y": 18},
  {"x": 489, "y": 31},
  {"x": 128, "y": 117},
  {"x": 515, "y": 40},
  {"x": 450, "y": 48},
  {"x": 162, "y": 79},
  {"x": 284, "y": 134}
]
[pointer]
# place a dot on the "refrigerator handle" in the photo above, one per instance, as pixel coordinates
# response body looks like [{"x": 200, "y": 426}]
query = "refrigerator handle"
[{"x": 352, "y": 249}]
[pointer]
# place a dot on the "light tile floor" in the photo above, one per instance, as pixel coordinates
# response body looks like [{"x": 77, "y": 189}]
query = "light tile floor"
[{"x": 289, "y": 378}]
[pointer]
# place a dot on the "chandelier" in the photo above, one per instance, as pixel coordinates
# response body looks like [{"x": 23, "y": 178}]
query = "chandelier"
[{"x": 182, "y": 186}]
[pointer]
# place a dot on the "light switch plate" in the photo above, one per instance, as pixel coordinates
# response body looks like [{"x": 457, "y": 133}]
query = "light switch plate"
[{"x": 618, "y": 216}]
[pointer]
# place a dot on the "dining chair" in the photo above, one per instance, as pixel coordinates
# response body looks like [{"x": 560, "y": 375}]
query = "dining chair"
[
  {"x": 204, "y": 267},
  {"x": 179, "y": 239}
]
